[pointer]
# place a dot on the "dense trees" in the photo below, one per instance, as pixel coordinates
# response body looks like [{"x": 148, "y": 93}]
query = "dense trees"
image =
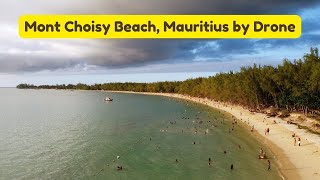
[{"x": 291, "y": 85}]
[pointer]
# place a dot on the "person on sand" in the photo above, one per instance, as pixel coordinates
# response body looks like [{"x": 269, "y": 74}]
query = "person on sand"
[
  {"x": 252, "y": 128},
  {"x": 295, "y": 141},
  {"x": 269, "y": 165},
  {"x": 299, "y": 141}
]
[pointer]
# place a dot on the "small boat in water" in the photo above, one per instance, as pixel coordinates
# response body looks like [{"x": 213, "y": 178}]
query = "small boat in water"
[{"x": 108, "y": 99}]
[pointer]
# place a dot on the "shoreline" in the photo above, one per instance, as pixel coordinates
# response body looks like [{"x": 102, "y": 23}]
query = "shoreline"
[{"x": 293, "y": 162}]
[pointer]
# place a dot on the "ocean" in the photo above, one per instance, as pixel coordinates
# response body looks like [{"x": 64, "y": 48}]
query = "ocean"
[{"x": 57, "y": 134}]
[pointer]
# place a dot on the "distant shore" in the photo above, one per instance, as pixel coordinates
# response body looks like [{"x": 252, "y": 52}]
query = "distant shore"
[{"x": 294, "y": 162}]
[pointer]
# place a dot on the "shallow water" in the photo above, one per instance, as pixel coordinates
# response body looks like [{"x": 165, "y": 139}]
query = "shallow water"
[{"x": 50, "y": 134}]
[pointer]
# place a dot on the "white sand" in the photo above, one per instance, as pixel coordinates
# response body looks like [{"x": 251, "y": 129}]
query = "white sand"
[{"x": 294, "y": 162}]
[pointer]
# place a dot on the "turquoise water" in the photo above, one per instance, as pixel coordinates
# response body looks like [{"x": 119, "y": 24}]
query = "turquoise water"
[{"x": 51, "y": 134}]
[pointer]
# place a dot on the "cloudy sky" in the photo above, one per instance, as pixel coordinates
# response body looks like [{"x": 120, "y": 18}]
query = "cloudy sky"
[{"x": 51, "y": 61}]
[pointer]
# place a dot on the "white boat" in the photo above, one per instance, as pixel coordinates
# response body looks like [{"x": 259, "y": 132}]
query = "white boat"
[{"x": 108, "y": 99}]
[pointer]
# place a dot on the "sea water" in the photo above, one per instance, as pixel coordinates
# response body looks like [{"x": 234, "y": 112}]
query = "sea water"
[{"x": 57, "y": 134}]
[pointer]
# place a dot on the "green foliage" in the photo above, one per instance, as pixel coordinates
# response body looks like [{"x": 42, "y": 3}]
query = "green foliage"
[{"x": 290, "y": 85}]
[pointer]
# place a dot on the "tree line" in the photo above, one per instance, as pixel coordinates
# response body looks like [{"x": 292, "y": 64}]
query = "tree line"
[{"x": 293, "y": 85}]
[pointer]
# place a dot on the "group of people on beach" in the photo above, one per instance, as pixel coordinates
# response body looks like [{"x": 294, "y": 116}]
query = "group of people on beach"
[
  {"x": 266, "y": 131},
  {"x": 295, "y": 139}
]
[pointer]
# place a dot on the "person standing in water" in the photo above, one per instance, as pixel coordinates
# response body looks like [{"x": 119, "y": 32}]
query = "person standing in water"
[
  {"x": 269, "y": 165},
  {"x": 261, "y": 151},
  {"x": 231, "y": 167},
  {"x": 209, "y": 162}
]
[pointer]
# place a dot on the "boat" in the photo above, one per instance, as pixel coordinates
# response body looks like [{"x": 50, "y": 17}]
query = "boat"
[{"x": 108, "y": 99}]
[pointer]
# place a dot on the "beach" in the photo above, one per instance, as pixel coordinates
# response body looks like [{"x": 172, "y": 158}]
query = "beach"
[{"x": 294, "y": 162}]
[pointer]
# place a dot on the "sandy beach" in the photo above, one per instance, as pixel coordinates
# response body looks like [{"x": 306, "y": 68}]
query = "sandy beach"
[{"x": 294, "y": 162}]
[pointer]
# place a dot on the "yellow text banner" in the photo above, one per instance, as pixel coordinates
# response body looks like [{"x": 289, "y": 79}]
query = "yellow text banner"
[{"x": 160, "y": 26}]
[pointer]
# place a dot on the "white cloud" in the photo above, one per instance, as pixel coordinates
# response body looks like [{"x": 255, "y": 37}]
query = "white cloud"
[{"x": 21, "y": 55}]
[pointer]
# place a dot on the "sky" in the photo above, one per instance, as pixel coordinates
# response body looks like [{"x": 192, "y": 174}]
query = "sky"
[{"x": 57, "y": 61}]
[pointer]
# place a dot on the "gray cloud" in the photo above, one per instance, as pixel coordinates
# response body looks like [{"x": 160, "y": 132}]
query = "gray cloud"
[{"x": 36, "y": 55}]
